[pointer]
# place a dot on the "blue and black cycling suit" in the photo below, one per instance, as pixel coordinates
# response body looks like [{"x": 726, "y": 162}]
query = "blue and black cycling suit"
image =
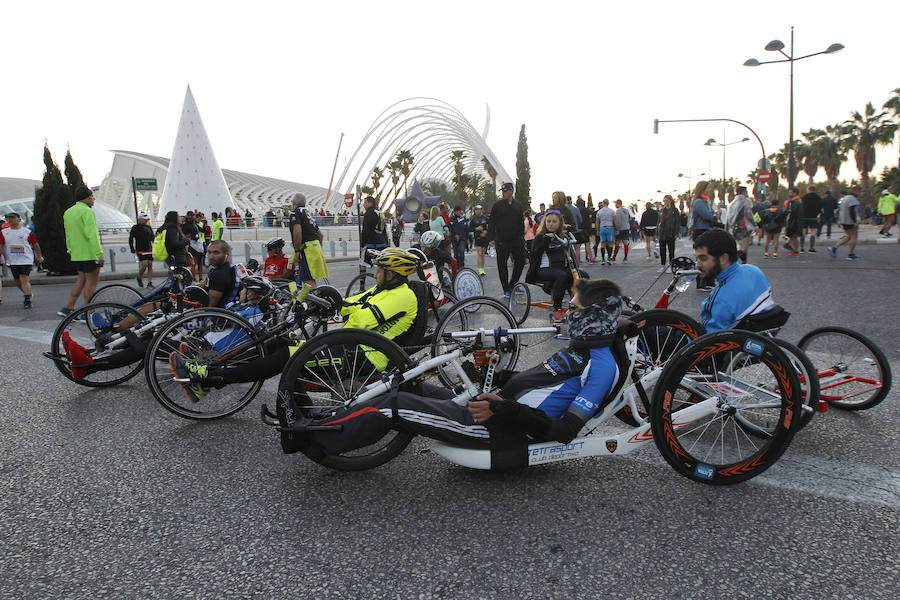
[{"x": 743, "y": 290}]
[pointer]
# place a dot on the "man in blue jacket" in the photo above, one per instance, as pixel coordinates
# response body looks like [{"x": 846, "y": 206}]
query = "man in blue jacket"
[
  {"x": 743, "y": 289},
  {"x": 702, "y": 220}
]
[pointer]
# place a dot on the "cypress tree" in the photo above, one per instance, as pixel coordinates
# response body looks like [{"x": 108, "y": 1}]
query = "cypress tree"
[
  {"x": 50, "y": 201},
  {"x": 74, "y": 180},
  {"x": 523, "y": 171}
]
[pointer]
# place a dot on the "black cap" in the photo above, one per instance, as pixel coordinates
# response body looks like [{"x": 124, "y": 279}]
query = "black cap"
[
  {"x": 13, "y": 214},
  {"x": 82, "y": 192},
  {"x": 506, "y": 187}
]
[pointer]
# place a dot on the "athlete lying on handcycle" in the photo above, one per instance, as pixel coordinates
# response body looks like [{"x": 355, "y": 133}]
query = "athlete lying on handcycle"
[{"x": 551, "y": 401}]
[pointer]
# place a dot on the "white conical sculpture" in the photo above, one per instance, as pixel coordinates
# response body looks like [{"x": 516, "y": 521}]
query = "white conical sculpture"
[{"x": 194, "y": 180}]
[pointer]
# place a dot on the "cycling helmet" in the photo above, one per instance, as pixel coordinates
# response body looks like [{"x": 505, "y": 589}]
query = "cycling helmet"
[
  {"x": 194, "y": 295},
  {"x": 256, "y": 284},
  {"x": 397, "y": 260},
  {"x": 252, "y": 265},
  {"x": 431, "y": 239},
  {"x": 418, "y": 254},
  {"x": 275, "y": 242}
]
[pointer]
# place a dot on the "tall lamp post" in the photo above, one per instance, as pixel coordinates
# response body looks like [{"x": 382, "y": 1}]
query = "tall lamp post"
[
  {"x": 778, "y": 46},
  {"x": 713, "y": 142},
  {"x": 689, "y": 176}
]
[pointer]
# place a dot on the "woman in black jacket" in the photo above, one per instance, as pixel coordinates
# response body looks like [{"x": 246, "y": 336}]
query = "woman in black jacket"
[
  {"x": 667, "y": 230},
  {"x": 547, "y": 262},
  {"x": 176, "y": 242}
]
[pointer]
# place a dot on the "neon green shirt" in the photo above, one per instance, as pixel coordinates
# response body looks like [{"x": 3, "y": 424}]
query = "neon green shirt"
[
  {"x": 886, "y": 204},
  {"x": 217, "y": 226},
  {"x": 82, "y": 235}
]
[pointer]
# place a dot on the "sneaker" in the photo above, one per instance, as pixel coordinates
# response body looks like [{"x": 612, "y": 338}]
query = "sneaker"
[
  {"x": 765, "y": 255},
  {"x": 98, "y": 321},
  {"x": 774, "y": 255},
  {"x": 794, "y": 254},
  {"x": 557, "y": 316},
  {"x": 853, "y": 257},
  {"x": 789, "y": 248},
  {"x": 482, "y": 273},
  {"x": 624, "y": 260},
  {"x": 507, "y": 294},
  {"x": 27, "y": 303},
  {"x": 65, "y": 312},
  {"x": 832, "y": 251},
  {"x": 812, "y": 249},
  {"x": 140, "y": 282},
  {"x": 183, "y": 371}
]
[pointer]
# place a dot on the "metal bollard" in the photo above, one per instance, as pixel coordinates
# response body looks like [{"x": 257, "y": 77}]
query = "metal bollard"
[
  {"x": 112, "y": 260},
  {"x": 331, "y": 244},
  {"x": 344, "y": 247},
  {"x": 247, "y": 252}
]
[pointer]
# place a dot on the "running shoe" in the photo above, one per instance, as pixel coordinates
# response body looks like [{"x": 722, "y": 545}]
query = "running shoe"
[
  {"x": 832, "y": 251},
  {"x": 482, "y": 273},
  {"x": 774, "y": 255},
  {"x": 765, "y": 255},
  {"x": 794, "y": 254},
  {"x": 139, "y": 282},
  {"x": 65, "y": 312},
  {"x": 557, "y": 316},
  {"x": 27, "y": 303},
  {"x": 183, "y": 370},
  {"x": 812, "y": 249},
  {"x": 853, "y": 257}
]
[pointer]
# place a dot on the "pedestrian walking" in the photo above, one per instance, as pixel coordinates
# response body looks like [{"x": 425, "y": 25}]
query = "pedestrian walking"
[
  {"x": 793, "y": 224},
  {"x": 20, "y": 250},
  {"x": 739, "y": 222},
  {"x": 812, "y": 209},
  {"x": 606, "y": 231},
  {"x": 649, "y": 225},
  {"x": 176, "y": 242},
  {"x": 478, "y": 225},
  {"x": 887, "y": 208},
  {"x": 140, "y": 241},
  {"x": 459, "y": 234},
  {"x": 623, "y": 230},
  {"x": 308, "y": 258},
  {"x": 668, "y": 230},
  {"x": 397, "y": 230},
  {"x": 772, "y": 222},
  {"x": 829, "y": 207},
  {"x": 848, "y": 219},
  {"x": 83, "y": 245},
  {"x": 507, "y": 232}
]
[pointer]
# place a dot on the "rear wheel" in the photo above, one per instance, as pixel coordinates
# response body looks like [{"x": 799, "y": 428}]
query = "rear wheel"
[
  {"x": 707, "y": 390},
  {"x": 118, "y": 293},
  {"x": 325, "y": 376},
  {"x": 853, "y": 372},
  {"x": 519, "y": 302},
  {"x": 360, "y": 283}
]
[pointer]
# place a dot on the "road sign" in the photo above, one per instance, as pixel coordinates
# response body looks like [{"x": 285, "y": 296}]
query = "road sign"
[
  {"x": 764, "y": 176},
  {"x": 145, "y": 185},
  {"x": 348, "y": 200},
  {"x": 763, "y": 164}
]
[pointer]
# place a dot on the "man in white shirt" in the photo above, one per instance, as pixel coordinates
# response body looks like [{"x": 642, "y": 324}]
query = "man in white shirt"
[
  {"x": 20, "y": 249},
  {"x": 848, "y": 218}
]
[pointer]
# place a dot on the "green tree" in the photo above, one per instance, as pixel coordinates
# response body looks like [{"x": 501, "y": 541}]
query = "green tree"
[
  {"x": 830, "y": 153},
  {"x": 50, "y": 202},
  {"x": 893, "y": 103},
  {"x": 435, "y": 187},
  {"x": 523, "y": 171},
  {"x": 456, "y": 157},
  {"x": 405, "y": 158},
  {"x": 74, "y": 180},
  {"x": 377, "y": 176},
  {"x": 394, "y": 168},
  {"x": 864, "y": 131}
]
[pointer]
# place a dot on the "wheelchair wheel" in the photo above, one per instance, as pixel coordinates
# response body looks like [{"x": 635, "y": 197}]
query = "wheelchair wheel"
[
  {"x": 98, "y": 319},
  {"x": 854, "y": 373},
  {"x": 118, "y": 293},
  {"x": 712, "y": 446},
  {"x": 210, "y": 337},
  {"x": 467, "y": 283},
  {"x": 360, "y": 283},
  {"x": 519, "y": 302},
  {"x": 490, "y": 315},
  {"x": 440, "y": 303},
  {"x": 325, "y": 376},
  {"x": 662, "y": 334}
]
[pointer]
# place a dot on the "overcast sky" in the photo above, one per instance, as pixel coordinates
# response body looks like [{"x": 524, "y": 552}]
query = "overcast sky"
[{"x": 277, "y": 82}]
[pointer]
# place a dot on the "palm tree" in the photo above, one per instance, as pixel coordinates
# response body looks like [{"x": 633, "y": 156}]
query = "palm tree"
[
  {"x": 366, "y": 190},
  {"x": 828, "y": 145},
  {"x": 491, "y": 171},
  {"x": 406, "y": 160},
  {"x": 863, "y": 133},
  {"x": 394, "y": 168},
  {"x": 456, "y": 157},
  {"x": 809, "y": 155},
  {"x": 893, "y": 103},
  {"x": 475, "y": 187},
  {"x": 377, "y": 176}
]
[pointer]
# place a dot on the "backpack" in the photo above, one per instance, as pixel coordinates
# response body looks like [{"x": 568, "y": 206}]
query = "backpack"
[{"x": 159, "y": 246}]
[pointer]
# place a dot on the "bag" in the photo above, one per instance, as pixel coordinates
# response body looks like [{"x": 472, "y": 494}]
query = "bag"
[{"x": 159, "y": 246}]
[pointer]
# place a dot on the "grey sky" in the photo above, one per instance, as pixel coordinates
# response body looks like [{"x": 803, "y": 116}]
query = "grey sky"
[{"x": 277, "y": 82}]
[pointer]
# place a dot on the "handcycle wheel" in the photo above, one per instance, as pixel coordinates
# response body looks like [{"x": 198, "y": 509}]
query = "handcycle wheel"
[
  {"x": 439, "y": 304},
  {"x": 519, "y": 302},
  {"x": 445, "y": 278},
  {"x": 702, "y": 389},
  {"x": 491, "y": 314},
  {"x": 854, "y": 373},
  {"x": 118, "y": 293},
  {"x": 212, "y": 337},
  {"x": 325, "y": 376},
  {"x": 467, "y": 283},
  {"x": 662, "y": 333},
  {"x": 99, "y": 318},
  {"x": 360, "y": 283}
]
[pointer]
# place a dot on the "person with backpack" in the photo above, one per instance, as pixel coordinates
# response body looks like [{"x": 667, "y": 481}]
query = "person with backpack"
[
  {"x": 175, "y": 242},
  {"x": 772, "y": 222}
]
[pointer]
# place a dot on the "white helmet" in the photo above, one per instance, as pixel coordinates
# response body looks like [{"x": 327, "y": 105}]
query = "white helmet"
[{"x": 431, "y": 239}]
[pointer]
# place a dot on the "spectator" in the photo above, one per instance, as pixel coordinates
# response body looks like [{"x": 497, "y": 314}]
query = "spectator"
[
  {"x": 191, "y": 231},
  {"x": 530, "y": 228},
  {"x": 649, "y": 225},
  {"x": 888, "y": 211},
  {"x": 540, "y": 215},
  {"x": 793, "y": 228},
  {"x": 397, "y": 231},
  {"x": 739, "y": 222},
  {"x": 667, "y": 231},
  {"x": 848, "y": 218},
  {"x": 623, "y": 228},
  {"x": 478, "y": 225},
  {"x": 812, "y": 208},
  {"x": 20, "y": 250},
  {"x": 419, "y": 228},
  {"x": 372, "y": 234},
  {"x": 217, "y": 226},
  {"x": 587, "y": 225},
  {"x": 140, "y": 240},
  {"x": 176, "y": 242},
  {"x": 309, "y": 260},
  {"x": 459, "y": 232},
  {"x": 772, "y": 221},
  {"x": 437, "y": 223},
  {"x": 606, "y": 231},
  {"x": 507, "y": 231},
  {"x": 558, "y": 201},
  {"x": 829, "y": 206},
  {"x": 702, "y": 219},
  {"x": 83, "y": 244},
  {"x": 248, "y": 218}
]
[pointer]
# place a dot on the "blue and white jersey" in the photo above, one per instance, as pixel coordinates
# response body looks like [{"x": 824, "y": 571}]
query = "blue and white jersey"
[
  {"x": 743, "y": 290},
  {"x": 572, "y": 380}
]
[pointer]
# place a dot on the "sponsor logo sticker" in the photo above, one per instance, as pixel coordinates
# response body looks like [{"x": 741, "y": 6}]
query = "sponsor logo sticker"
[
  {"x": 704, "y": 471},
  {"x": 753, "y": 347},
  {"x": 611, "y": 446}
]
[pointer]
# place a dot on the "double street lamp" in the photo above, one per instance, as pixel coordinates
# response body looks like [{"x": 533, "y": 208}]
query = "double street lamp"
[
  {"x": 689, "y": 176},
  {"x": 713, "y": 142},
  {"x": 778, "y": 46}
]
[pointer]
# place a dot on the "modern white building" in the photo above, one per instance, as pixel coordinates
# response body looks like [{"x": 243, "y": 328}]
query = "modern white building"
[{"x": 17, "y": 195}]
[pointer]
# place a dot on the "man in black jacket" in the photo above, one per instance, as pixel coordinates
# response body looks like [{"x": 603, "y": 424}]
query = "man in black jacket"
[
  {"x": 507, "y": 230},
  {"x": 373, "y": 235},
  {"x": 140, "y": 240},
  {"x": 459, "y": 233},
  {"x": 812, "y": 206}
]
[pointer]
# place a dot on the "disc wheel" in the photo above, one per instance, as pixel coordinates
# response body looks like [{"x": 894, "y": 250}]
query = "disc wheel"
[
  {"x": 360, "y": 283},
  {"x": 325, "y": 376},
  {"x": 209, "y": 337},
  {"x": 853, "y": 372},
  {"x": 519, "y": 302},
  {"x": 118, "y": 293},
  {"x": 467, "y": 283},
  {"x": 84, "y": 327},
  {"x": 702, "y": 389},
  {"x": 490, "y": 314}
]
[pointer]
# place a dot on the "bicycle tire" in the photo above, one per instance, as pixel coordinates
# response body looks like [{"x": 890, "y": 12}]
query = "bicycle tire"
[
  {"x": 112, "y": 314},
  {"x": 519, "y": 302},
  {"x": 119, "y": 293},
  {"x": 697, "y": 449},
  {"x": 467, "y": 283},
  {"x": 216, "y": 404},
  {"x": 875, "y": 368},
  {"x": 360, "y": 283},
  {"x": 359, "y": 342}
]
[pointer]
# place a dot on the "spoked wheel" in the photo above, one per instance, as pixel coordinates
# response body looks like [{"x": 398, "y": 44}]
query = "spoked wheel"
[
  {"x": 467, "y": 283},
  {"x": 490, "y": 314},
  {"x": 208, "y": 338},
  {"x": 325, "y": 376},
  {"x": 360, "y": 283},
  {"x": 662, "y": 333},
  {"x": 853, "y": 372},
  {"x": 118, "y": 293},
  {"x": 88, "y": 327},
  {"x": 445, "y": 278},
  {"x": 439, "y": 304},
  {"x": 702, "y": 391},
  {"x": 519, "y": 302}
]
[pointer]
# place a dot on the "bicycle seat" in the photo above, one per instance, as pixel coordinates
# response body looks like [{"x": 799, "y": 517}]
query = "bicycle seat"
[{"x": 772, "y": 319}]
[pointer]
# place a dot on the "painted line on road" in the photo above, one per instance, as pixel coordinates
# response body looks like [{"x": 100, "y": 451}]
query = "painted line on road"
[{"x": 23, "y": 334}]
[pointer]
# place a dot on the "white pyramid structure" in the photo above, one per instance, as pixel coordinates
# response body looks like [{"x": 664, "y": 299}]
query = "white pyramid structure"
[{"x": 194, "y": 180}]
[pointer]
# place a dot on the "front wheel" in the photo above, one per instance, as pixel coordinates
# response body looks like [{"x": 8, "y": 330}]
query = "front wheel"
[
  {"x": 360, "y": 283},
  {"x": 325, "y": 376},
  {"x": 706, "y": 393},
  {"x": 119, "y": 293},
  {"x": 519, "y": 302},
  {"x": 853, "y": 372}
]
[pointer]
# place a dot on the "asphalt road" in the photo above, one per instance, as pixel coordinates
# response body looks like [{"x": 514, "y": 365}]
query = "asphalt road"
[{"x": 107, "y": 495}]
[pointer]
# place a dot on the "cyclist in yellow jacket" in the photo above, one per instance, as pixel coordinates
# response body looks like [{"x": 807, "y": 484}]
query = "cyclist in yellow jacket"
[{"x": 388, "y": 308}]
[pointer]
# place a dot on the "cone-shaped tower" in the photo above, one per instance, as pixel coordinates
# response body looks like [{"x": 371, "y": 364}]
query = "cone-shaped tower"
[{"x": 194, "y": 180}]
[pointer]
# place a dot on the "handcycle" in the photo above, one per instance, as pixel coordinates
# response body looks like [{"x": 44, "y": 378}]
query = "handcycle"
[
  {"x": 692, "y": 415},
  {"x": 836, "y": 366},
  {"x": 519, "y": 300}
]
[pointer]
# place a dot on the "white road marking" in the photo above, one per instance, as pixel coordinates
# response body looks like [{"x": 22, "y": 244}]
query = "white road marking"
[{"x": 24, "y": 334}]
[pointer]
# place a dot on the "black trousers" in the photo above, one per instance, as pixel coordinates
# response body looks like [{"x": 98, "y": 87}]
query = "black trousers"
[
  {"x": 561, "y": 279},
  {"x": 260, "y": 369},
  {"x": 666, "y": 245},
  {"x": 516, "y": 249}
]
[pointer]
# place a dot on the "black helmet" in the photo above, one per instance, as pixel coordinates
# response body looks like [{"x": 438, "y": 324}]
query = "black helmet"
[
  {"x": 259, "y": 285},
  {"x": 275, "y": 242},
  {"x": 252, "y": 265}
]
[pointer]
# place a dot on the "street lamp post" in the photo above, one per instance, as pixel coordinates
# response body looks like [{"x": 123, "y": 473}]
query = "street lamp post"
[
  {"x": 724, "y": 144},
  {"x": 689, "y": 176},
  {"x": 778, "y": 46}
]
